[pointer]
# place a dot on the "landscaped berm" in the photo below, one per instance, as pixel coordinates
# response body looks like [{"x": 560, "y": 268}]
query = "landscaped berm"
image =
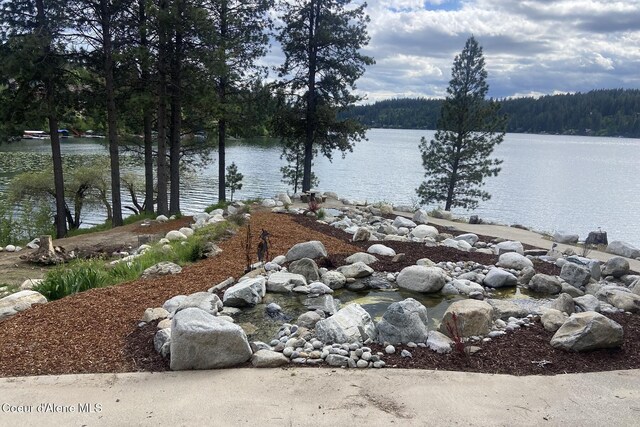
[{"x": 360, "y": 288}]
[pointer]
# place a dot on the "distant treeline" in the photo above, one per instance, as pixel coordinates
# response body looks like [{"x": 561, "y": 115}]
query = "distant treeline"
[{"x": 611, "y": 112}]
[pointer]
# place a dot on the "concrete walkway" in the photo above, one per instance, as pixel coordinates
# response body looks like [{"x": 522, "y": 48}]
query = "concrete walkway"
[{"x": 314, "y": 397}]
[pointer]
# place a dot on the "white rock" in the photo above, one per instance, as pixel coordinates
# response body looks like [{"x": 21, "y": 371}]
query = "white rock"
[
  {"x": 246, "y": 293},
  {"x": 345, "y": 326},
  {"x": 284, "y": 282},
  {"x": 514, "y": 260},
  {"x": 421, "y": 279},
  {"x": 379, "y": 249},
  {"x": 401, "y": 221},
  {"x": 18, "y": 302},
  {"x": 422, "y": 231},
  {"x": 175, "y": 235},
  {"x": 509, "y": 246}
]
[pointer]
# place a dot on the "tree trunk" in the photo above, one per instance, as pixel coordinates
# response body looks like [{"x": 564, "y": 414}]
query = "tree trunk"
[
  {"x": 116, "y": 201},
  {"x": 56, "y": 154},
  {"x": 163, "y": 205},
  {"x": 311, "y": 99},
  {"x": 176, "y": 112},
  {"x": 146, "y": 113},
  {"x": 222, "y": 94},
  {"x": 222, "y": 129}
]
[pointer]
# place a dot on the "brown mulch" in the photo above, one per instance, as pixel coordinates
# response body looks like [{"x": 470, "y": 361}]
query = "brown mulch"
[
  {"x": 520, "y": 353},
  {"x": 97, "y": 331}
]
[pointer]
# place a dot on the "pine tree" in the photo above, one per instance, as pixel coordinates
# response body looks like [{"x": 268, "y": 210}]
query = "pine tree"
[
  {"x": 233, "y": 179},
  {"x": 458, "y": 159},
  {"x": 33, "y": 76},
  {"x": 292, "y": 172},
  {"x": 321, "y": 41}
]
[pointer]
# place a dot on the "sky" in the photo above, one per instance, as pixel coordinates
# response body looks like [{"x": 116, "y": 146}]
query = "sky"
[{"x": 531, "y": 47}]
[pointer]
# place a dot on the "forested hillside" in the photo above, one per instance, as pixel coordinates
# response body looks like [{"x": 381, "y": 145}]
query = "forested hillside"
[{"x": 613, "y": 112}]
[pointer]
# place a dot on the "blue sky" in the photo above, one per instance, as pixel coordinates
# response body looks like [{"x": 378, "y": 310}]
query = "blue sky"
[{"x": 531, "y": 47}]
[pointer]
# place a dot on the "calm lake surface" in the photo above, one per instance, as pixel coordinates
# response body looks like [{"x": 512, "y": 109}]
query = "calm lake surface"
[{"x": 566, "y": 183}]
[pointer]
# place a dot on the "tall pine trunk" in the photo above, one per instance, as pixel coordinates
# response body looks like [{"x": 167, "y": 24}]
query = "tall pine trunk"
[
  {"x": 52, "y": 118},
  {"x": 145, "y": 76},
  {"x": 222, "y": 95},
  {"x": 176, "y": 111},
  {"x": 163, "y": 204},
  {"x": 112, "y": 124},
  {"x": 311, "y": 98}
]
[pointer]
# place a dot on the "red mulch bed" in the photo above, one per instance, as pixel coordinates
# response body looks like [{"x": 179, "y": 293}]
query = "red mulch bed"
[{"x": 97, "y": 331}]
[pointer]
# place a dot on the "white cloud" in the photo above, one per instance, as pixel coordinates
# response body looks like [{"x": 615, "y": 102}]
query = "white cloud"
[{"x": 531, "y": 47}]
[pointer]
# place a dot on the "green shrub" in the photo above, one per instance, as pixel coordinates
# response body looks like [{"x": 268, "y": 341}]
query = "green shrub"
[
  {"x": 220, "y": 205},
  {"x": 75, "y": 277}
]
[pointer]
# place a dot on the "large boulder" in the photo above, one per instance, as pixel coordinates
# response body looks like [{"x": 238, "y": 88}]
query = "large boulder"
[
  {"x": 20, "y": 301},
  {"x": 574, "y": 274},
  {"x": 421, "y": 279},
  {"x": 623, "y": 249},
  {"x": 361, "y": 235},
  {"x": 283, "y": 282},
  {"x": 175, "y": 235},
  {"x": 403, "y": 322},
  {"x": 543, "y": 283},
  {"x": 379, "y": 249},
  {"x": 246, "y": 293},
  {"x": 333, "y": 279},
  {"x": 422, "y": 231},
  {"x": 587, "y": 303},
  {"x": 460, "y": 245},
  {"x": 324, "y": 303},
  {"x": 268, "y": 359},
  {"x": 504, "y": 309},
  {"x": 498, "y": 278},
  {"x": 461, "y": 287},
  {"x": 420, "y": 217},
  {"x": 514, "y": 260},
  {"x": 564, "y": 303},
  {"x": 509, "y": 246},
  {"x": 616, "y": 267},
  {"x": 309, "y": 319},
  {"x": 566, "y": 238},
  {"x": 307, "y": 268},
  {"x": 161, "y": 269},
  {"x": 313, "y": 249},
  {"x": 203, "y": 300},
  {"x": 202, "y": 341},
  {"x": 361, "y": 257},
  {"x": 470, "y": 238},
  {"x": 472, "y": 318},
  {"x": 626, "y": 301},
  {"x": 356, "y": 271},
  {"x": 553, "y": 319},
  {"x": 349, "y": 325},
  {"x": 401, "y": 221},
  {"x": 588, "y": 331}
]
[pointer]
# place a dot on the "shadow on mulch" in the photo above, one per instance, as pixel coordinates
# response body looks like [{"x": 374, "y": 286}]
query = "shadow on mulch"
[{"x": 139, "y": 348}]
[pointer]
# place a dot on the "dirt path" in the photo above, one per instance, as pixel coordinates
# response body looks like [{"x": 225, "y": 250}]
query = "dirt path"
[{"x": 14, "y": 270}]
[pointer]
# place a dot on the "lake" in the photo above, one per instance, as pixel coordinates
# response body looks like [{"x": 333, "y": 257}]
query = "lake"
[{"x": 550, "y": 183}]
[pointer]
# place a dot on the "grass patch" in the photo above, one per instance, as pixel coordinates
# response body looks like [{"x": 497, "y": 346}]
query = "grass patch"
[{"x": 81, "y": 275}]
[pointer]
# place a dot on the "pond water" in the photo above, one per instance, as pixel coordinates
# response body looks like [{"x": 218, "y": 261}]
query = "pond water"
[
  {"x": 551, "y": 183},
  {"x": 374, "y": 301}
]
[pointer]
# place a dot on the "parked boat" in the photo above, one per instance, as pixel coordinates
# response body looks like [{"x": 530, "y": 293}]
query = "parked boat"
[{"x": 34, "y": 134}]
